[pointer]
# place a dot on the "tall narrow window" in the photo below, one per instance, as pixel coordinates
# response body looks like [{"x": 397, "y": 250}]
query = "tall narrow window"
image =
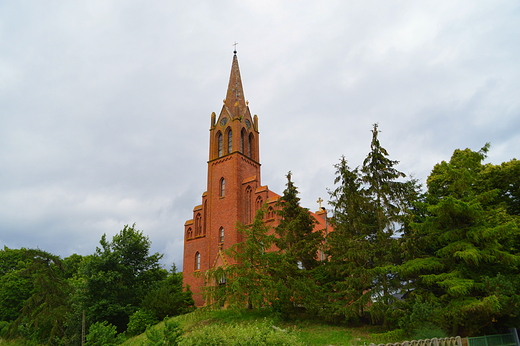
[
  {"x": 230, "y": 141},
  {"x": 243, "y": 141},
  {"x": 205, "y": 212},
  {"x": 258, "y": 203},
  {"x": 219, "y": 144},
  {"x": 250, "y": 146},
  {"x": 197, "y": 261},
  {"x": 221, "y": 235},
  {"x": 222, "y": 191},
  {"x": 248, "y": 211},
  {"x": 198, "y": 225}
]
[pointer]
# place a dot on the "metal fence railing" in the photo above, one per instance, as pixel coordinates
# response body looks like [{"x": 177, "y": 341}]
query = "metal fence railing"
[
  {"x": 510, "y": 339},
  {"x": 453, "y": 341}
]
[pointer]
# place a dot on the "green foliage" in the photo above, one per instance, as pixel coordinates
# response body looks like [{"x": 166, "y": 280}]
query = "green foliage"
[
  {"x": 244, "y": 334},
  {"x": 119, "y": 275},
  {"x": 296, "y": 237},
  {"x": 249, "y": 283},
  {"x": 15, "y": 284},
  {"x": 102, "y": 334},
  {"x": 169, "y": 298},
  {"x": 44, "y": 312},
  {"x": 170, "y": 335},
  {"x": 372, "y": 206},
  {"x": 139, "y": 321},
  {"x": 465, "y": 259}
]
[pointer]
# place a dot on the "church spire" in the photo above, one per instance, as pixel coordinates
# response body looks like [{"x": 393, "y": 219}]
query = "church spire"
[{"x": 235, "y": 100}]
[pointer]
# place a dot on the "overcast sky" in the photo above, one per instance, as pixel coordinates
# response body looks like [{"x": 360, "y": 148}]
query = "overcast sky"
[{"x": 105, "y": 105}]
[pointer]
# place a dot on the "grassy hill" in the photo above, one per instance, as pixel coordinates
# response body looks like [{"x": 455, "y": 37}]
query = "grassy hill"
[{"x": 231, "y": 327}]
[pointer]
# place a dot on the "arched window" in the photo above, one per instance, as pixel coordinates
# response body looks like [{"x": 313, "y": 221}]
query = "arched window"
[
  {"x": 221, "y": 235},
  {"x": 198, "y": 225},
  {"x": 243, "y": 141},
  {"x": 230, "y": 141},
  {"x": 248, "y": 211},
  {"x": 197, "y": 261},
  {"x": 222, "y": 188},
  {"x": 204, "y": 220},
  {"x": 219, "y": 144},
  {"x": 250, "y": 146},
  {"x": 189, "y": 233},
  {"x": 258, "y": 203},
  {"x": 270, "y": 213}
]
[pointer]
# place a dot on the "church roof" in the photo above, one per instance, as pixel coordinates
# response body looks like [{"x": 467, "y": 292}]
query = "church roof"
[{"x": 235, "y": 101}]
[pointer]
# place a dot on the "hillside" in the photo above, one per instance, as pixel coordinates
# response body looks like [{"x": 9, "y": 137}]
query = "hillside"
[{"x": 229, "y": 327}]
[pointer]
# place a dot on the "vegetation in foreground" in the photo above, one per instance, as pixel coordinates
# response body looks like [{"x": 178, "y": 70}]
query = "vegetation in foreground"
[{"x": 264, "y": 327}]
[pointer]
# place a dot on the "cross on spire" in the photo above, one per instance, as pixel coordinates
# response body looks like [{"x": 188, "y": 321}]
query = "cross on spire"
[
  {"x": 319, "y": 201},
  {"x": 235, "y": 45}
]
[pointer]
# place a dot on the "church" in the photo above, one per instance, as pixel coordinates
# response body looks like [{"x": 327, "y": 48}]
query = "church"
[{"x": 234, "y": 191}]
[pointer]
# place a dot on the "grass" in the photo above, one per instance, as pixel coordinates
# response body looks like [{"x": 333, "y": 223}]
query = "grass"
[{"x": 313, "y": 333}]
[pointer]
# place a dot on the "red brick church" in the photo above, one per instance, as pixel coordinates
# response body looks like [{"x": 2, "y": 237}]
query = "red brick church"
[{"x": 234, "y": 190}]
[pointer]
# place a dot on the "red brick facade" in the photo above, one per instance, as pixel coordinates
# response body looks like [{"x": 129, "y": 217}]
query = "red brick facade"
[{"x": 234, "y": 192}]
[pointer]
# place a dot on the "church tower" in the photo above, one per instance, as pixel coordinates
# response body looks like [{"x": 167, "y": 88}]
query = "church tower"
[
  {"x": 233, "y": 193},
  {"x": 233, "y": 190}
]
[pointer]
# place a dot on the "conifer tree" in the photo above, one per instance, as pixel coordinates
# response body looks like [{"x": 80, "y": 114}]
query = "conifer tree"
[
  {"x": 371, "y": 208},
  {"x": 466, "y": 259},
  {"x": 249, "y": 282},
  {"x": 296, "y": 236}
]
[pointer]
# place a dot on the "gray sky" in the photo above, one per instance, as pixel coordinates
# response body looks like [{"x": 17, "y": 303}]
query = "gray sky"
[{"x": 106, "y": 104}]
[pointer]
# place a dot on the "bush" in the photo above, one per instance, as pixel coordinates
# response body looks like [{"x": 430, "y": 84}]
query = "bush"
[
  {"x": 169, "y": 336},
  {"x": 102, "y": 334},
  {"x": 139, "y": 321},
  {"x": 240, "y": 334}
]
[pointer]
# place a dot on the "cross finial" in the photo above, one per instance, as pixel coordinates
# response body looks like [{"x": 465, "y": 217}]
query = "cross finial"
[
  {"x": 235, "y": 45},
  {"x": 319, "y": 201}
]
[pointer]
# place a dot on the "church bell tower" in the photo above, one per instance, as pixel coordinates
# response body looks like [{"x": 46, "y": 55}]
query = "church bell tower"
[{"x": 233, "y": 190}]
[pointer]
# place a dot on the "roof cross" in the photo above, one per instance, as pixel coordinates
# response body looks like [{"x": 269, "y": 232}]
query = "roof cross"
[
  {"x": 235, "y": 45},
  {"x": 319, "y": 201}
]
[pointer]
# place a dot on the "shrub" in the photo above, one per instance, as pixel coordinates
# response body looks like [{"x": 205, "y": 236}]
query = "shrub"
[
  {"x": 102, "y": 334},
  {"x": 240, "y": 334},
  {"x": 139, "y": 321},
  {"x": 169, "y": 336}
]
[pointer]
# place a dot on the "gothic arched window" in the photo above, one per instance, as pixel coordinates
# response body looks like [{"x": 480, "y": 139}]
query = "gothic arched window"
[
  {"x": 189, "y": 233},
  {"x": 229, "y": 141},
  {"x": 198, "y": 225},
  {"x": 243, "y": 143},
  {"x": 219, "y": 144},
  {"x": 221, "y": 235},
  {"x": 222, "y": 187},
  {"x": 258, "y": 203},
  {"x": 250, "y": 146},
  {"x": 248, "y": 211},
  {"x": 197, "y": 261},
  {"x": 270, "y": 213}
]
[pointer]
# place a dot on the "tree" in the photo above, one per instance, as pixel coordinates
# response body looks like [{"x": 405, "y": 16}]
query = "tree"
[
  {"x": 297, "y": 257},
  {"x": 44, "y": 313},
  {"x": 119, "y": 275},
  {"x": 168, "y": 298},
  {"x": 296, "y": 236},
  {"x": 249, "y": 282},
  {"x": 15, "y": 285},
  {"x": 372, "y": 207},
  {"x": 466, "y": 259}
]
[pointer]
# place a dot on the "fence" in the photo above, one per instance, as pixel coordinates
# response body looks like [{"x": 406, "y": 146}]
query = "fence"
[
  {"x": 453, "y": 341},
  {"x": 510, "y": 339}
]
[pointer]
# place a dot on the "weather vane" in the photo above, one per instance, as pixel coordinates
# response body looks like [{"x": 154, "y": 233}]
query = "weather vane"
[{"x": 235, "y": 45}]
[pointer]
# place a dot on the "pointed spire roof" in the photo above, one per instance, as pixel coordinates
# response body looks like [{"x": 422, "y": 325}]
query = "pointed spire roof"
[{"x": 235, "y": 100}]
